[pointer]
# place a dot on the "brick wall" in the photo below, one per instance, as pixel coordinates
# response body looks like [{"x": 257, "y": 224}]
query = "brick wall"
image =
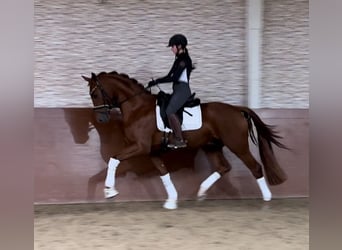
[
  {"x": 285, "y": 81},
  {"x": 78, "y": 37}
]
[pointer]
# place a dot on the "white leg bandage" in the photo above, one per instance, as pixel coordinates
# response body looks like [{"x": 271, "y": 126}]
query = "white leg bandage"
[
  {"x": 110, "y": 178},
  {"x": 266, "y": 193},
  {"x": 207, "y": 183},
  {"x": 170, "y": 188}
]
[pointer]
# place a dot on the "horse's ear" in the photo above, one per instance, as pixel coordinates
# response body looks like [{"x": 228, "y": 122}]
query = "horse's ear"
[
  {"x": 86, "y": 78},
  {"x": 93, "y": 76}
]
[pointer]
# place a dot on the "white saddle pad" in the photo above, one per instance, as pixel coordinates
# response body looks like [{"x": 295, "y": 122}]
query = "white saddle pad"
[{"x": 191, "y": 120}]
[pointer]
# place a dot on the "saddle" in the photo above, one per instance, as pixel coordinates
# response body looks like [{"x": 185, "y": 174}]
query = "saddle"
[{"x": 163, "y": 100}]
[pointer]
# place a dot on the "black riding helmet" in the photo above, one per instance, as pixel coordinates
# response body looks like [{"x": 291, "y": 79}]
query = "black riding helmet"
[{"x": 178, "y": 39}]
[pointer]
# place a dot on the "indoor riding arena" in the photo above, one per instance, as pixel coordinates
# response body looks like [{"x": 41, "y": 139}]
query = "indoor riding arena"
[{"x": 252, "y": 53}]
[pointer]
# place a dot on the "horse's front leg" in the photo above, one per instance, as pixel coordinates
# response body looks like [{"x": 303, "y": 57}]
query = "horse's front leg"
[
  {"x": 114, "y": 162},
  {"x": 172, "y": 195},
  {"x": 109, "y": 190}
]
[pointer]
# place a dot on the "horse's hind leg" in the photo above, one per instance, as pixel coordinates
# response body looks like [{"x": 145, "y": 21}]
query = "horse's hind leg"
[
  {"x": 92, "y": 183},
  {"x": 238, "y": 144},
  {"x": 221, "y": 165},
  {"x": 172, "y": 195},
  {"x": 256, "y": 169}
]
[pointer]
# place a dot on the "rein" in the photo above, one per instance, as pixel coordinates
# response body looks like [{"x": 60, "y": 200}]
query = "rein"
[{"x": 136, "y": 94}]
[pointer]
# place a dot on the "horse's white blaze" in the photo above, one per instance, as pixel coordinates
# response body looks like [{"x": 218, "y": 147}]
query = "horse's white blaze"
[
  {"x": 207, "y": 183},
  {"x": 266, "y": 193},
  {"x": 171, "y": 202}
]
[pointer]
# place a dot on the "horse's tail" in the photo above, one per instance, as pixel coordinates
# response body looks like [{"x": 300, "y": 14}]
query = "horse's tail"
[{"x": 266, "y": 136}]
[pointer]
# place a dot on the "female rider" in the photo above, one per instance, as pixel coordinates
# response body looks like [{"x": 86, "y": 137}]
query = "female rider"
[{"x": 180, "y": 76}]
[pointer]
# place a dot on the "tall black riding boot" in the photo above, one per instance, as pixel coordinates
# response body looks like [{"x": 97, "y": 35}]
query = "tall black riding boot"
[{"x": 177, "y": 132}]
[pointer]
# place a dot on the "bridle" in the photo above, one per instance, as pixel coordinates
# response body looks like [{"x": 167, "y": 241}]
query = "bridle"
[{"x": 108, "y": 102}]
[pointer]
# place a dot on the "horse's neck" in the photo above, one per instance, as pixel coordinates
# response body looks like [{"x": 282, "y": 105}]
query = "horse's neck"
[
  {"x": 126, "y": 94},
  {"x": 132, "y": 98},
  {"x": 137, "y": 107}
]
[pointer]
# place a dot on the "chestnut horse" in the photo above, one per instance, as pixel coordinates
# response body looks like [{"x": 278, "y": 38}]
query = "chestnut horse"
[
  {"x": 112, "y": 140},
  {"x": 222, "y": 125}
]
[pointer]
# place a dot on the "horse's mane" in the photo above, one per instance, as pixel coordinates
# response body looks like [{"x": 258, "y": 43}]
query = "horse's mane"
[{"x": 123, "y": 76}]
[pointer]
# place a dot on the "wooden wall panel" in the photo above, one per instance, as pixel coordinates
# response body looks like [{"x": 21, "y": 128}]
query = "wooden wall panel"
[{"x": 70, "y": 165}]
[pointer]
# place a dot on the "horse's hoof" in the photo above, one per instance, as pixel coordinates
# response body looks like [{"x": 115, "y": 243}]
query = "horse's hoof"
[
  {"x": 170, "y": 204},
  {"x": 201, "y": 194},
  {"x": 110, "y": 192},
  {"x": 267, "y": 197},
  {"x": 201, "y": 197}
]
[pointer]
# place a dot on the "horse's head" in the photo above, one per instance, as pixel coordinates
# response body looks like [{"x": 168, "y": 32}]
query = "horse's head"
[
  {"x": 101, "y": 96},
  {"x": 112, "y": 90}
]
